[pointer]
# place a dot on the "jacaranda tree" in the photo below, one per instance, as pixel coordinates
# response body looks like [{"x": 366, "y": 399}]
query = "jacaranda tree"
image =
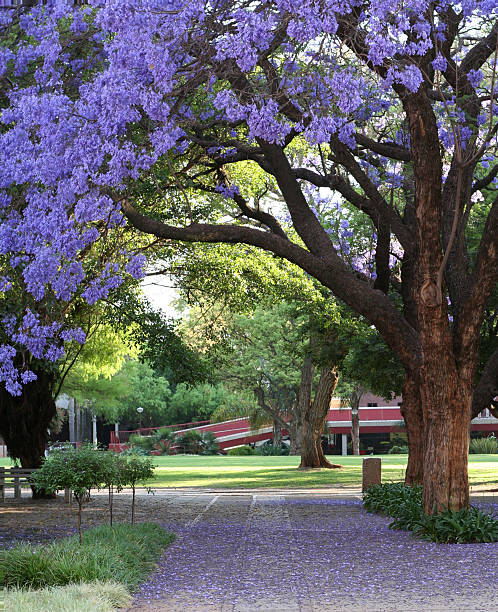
[{"x": 386, "y": 107}]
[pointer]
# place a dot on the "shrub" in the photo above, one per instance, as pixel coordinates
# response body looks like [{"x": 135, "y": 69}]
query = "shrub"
[
  {"x": 465, "y": 526},
  {"x": 404, "y": 505},
  {"x": 122, "y": 553},
  {"x": 79, "y": 469},
  {"x": 272, "y": 449},
  {"x": 209, "y": 443},
  {"x": 134, "y": 470},
  {"x": 144, "y": 442},
  {"x": 398, "y": 450},
  {"x": 194, "y": 442},
  {"x": 484, "y": 446},
  {"x": 241, "y": 451},
  {"x": 386, "y": 498},
  {"x": 190, "y": 442}
]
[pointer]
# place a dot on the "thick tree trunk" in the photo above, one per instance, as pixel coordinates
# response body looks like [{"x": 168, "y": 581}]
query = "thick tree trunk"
[
  {"x": 446, "y": 373},
  {"x": 315, "y": 418},
  {"x": 411, "y": 410},
  {"x": 447, "y": 433},
  {"x": 24, "y": 421}
]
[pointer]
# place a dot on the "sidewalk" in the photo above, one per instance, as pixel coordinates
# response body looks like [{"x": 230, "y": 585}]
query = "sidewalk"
[{"x": 310, "y": 552}]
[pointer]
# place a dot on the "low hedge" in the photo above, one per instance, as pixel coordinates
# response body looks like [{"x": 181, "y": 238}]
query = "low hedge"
[
  {"x": 123, "y": 553},
  {"x": 404, "y": 505}
]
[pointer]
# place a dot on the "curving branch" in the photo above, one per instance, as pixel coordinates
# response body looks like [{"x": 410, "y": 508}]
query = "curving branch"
[{"x": 330, "y": 271}]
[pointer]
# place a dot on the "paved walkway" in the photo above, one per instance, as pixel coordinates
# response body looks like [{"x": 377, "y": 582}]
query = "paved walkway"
[{"x": 278, "y": 552}]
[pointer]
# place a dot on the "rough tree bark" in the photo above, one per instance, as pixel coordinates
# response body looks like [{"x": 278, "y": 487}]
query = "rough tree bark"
[
  {"x": 411, "y": 410},
  {"x": 24, "y": 421},
  {"x": 295, "y": 428},
  {"x": 277, "y": 432},
  {"x": 315, "y": 416},
  {"x": 355, "y": 418},
  {"x": 446, "y": 399}
]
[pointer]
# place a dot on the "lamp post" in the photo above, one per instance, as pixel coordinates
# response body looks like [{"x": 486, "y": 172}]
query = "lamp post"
[{"x": 140, "y": 410}]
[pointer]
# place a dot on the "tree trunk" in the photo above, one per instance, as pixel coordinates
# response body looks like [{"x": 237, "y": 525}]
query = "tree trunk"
[
  {"x": 315, "y": 418},
  {"x": 446, "y": 377},
  {"x": 447, "y": 434},
  {"x": 277, "y": 433},
  {"x": 411, "y": 410},
  {"x": 355, "y": 429},
  {"x": 24, "y": 422},
  {"x": 295, "y": 427}
]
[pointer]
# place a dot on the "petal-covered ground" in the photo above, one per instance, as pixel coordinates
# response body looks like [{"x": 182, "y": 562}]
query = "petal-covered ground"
[
  {"x": 280, "y": 551},
  {"x": 272, "y": 552}
]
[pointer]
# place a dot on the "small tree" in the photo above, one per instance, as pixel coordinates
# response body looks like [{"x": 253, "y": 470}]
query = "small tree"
[
  {"x": 113, "y": 465},
  {"x": 135, "y": 469},
  {"x": 79, "y": 470}
]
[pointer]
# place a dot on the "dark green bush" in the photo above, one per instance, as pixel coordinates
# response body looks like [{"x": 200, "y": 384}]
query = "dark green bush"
[
  {"x": 209, "y": 443},
  {"x": 123, "y": 553},
  {"x": 241, "y": 451},
  {"x": 484, "y": 446},
  {"x": 398, "y": 450},
  {"x": 190, "y": 442},
  {"x": 390, "y": 499},
  {"x": 272, "y": 449},
  {"x": 144, "y": 442},
  {"x": 404, "y": 505},
  {"x": 194, "y": 442},
  {"x": 464, "y": 526}
]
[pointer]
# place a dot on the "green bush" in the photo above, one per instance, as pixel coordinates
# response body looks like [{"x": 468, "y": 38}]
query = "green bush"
[
  {"x": 79, "y": 469},
  {"x": 210, "y": 444},
  {"x": 144, "y": 442},
  {"x": 193, "y": 442},
  {"x": 398, "y": 450},
  {"x": 404, "y": 505},
  {"x": 465, "y": 526},
  {"x": 190, "y": 442},
  {"x": 272, "y": 449},
  {"x": 484, "y": 446},
  {"x": 241, "y": 451},
  {"x": 387, "y": 498},
  {"x": 123, "y": 553}
]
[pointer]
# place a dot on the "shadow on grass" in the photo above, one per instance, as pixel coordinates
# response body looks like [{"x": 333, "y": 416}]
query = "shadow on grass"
[{"x": 271, "y": 477}]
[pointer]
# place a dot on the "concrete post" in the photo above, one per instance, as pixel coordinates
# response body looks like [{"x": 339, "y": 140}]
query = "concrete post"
[
  {"x": 372, "y": 472},
  {"x": 344, "y": 444}
]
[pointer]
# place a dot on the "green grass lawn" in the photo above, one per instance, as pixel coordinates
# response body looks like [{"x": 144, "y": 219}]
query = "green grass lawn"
[{"x": 256, "y": 471}]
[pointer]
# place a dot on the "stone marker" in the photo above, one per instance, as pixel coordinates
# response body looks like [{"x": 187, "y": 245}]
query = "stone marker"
[{"x": 372, "y": 472}]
